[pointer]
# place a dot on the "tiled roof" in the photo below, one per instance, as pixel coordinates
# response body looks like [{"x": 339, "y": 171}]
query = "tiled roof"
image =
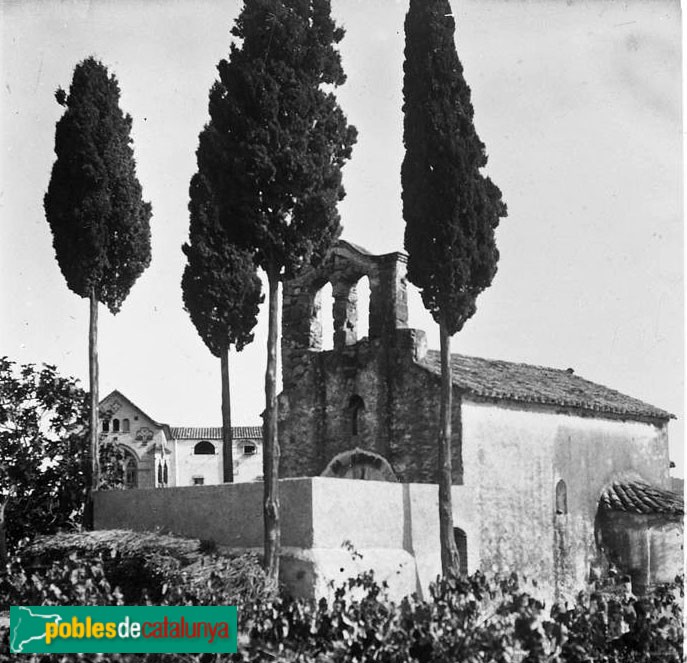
[
  {"x": 640, "y": 497},
  {"x": 215, "y": 433},
  {"x": 506, "y": 380}
]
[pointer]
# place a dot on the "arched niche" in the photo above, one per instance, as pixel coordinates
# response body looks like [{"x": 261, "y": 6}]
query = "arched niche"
[
  {"x": 356, "y": 407},
  {"x": 360, "y": 464},
  {"x": 561, "y": 498}
]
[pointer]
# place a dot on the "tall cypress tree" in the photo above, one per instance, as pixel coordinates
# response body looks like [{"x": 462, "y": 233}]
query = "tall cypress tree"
[
  {"x": 222, "y": 294},
  {"x": 99, "y": 222},
  {"x": 272, "y": 155},
  {"x": 450, "y": 208}
]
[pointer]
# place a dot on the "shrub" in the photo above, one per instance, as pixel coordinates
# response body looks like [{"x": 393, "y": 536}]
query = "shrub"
[
  {"x": 473, "y": 619},
  {"x": 74, "y": 580}
]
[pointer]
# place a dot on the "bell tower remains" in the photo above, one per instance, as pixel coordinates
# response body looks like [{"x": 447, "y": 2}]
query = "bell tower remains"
[{"x": 337, "y": 400}]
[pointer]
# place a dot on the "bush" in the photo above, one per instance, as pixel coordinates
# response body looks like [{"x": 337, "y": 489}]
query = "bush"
[{"x": 472, "y": 619}]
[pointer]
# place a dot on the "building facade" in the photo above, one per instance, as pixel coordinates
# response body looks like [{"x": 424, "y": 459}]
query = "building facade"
[{"x": 157, "y": 455}]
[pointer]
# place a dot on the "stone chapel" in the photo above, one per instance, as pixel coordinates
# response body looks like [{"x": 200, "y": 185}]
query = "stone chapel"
[{"x": 554, "y": 475}]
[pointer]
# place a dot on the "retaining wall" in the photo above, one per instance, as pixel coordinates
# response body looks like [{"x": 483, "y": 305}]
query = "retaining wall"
[{"x": 392, "y": 527}]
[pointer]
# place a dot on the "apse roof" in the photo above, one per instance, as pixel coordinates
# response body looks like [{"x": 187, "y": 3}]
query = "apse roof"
[{"x": 642, "y": 498}]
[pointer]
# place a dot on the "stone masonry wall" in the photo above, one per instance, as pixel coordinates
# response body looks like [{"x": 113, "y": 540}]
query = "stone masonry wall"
[
  {"x": 401, "y": 402},
  {"x": 415, "y": 406},
  {"x": 317, "y": 409}
]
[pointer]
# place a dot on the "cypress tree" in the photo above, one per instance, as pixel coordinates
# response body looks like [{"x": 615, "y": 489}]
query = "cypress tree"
[
  {"x": 222, "y": 294},
  {"x": 272, "y": 155},
  {"x": 99, "y": 221},
  {"x": 450, "y": 208}
]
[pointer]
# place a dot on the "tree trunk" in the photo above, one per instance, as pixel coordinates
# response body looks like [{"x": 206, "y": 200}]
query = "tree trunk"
[
  {"x": 227, "y": 438},
  {"x": 270, "y": 456},
  {"x": 4, "y": 557},
  {"x": 449, "y": 552},
  {"x": 92, "y": 460}
]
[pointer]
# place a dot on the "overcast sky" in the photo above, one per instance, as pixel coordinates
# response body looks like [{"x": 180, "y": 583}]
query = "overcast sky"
[{"x": 578, "y": 103}]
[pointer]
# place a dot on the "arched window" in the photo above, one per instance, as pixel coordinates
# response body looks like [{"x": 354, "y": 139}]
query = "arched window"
[
  {"x": 159, "y": 474},
  {"x": 106, "y": 426},
  {"x": 461, "y": 540},
  {"x": 363, "y": 308},
  {"x": 355, "y": 406},
  {"x": 130, "y": 466},
  {"x": 204, "y": 448},
  {"x": 165, "y": 475},
  {"x": 115, "y": 425},
  {"x": 125, "y": 425},
  {"x": 561, "y": 498},
  {"x": 326, "y": 316}
]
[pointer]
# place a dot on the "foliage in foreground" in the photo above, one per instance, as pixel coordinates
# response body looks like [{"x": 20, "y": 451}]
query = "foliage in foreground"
[
  {"x": 43, "y": 441},
  {"x": 130, "y": 568},
  {"x": 472, "y": 620},
  {"x": 43, "y": 420}
]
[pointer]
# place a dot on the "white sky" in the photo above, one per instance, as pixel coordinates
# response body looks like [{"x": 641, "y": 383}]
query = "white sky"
[{"x": 579, "y": 104}]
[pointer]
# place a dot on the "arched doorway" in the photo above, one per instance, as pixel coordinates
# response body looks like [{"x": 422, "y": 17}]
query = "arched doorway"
[{"x": 360, "y": 464}]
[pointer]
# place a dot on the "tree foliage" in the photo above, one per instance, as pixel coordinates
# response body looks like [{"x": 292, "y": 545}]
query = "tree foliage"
[
  {"x": 43, "y": 438},
  {"x": 277, "y": 139},
  {"x": 451, "y": 209},
  {"x": 271, "y": 159},
  {"x": 100, "y": 224},
  {"x": 220, "y": 285},
  {"x": 43, "y": 429},
  {"x": 222, "y": 294}
]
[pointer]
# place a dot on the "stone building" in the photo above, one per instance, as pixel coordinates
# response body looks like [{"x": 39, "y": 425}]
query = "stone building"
[
  {"x": 159, "y": 455},
  {"x": 535, "y": 449}
]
